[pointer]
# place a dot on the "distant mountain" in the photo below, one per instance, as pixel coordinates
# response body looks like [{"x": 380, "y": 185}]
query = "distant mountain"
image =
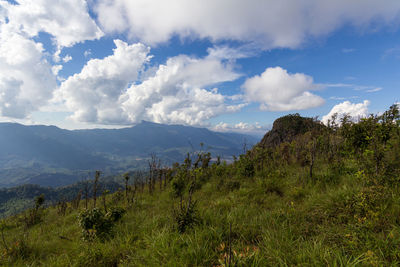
[{"x": 50, "y": 156}]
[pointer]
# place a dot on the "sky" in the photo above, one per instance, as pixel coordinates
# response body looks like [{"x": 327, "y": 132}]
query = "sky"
[{"x": 228, "y": 65}]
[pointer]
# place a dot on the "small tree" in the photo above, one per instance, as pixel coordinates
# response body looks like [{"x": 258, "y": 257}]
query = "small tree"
[
  {"x": 98, "y": 224},
  {"x": 86, "y": 192},
  {"x": 34, "y": 215},
  {"x": 76, "y": 201},
  {"x": 39, "y": 200},
  {"x": 186, "y": 216},
  {"x": 104, "y": 196},
  {"x": 126, "y": 178},
  {"x": 95, "y": 187}
]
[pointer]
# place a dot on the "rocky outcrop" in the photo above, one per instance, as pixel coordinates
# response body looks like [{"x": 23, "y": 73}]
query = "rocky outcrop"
[{"x": 287, "y": 128}]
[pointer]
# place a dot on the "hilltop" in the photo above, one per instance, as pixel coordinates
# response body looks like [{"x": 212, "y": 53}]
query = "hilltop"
[{"x": 287, "y": 128}]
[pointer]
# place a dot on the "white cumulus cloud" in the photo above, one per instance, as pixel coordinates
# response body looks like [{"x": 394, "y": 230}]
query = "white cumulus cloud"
[
  {"x": 177, "y": 92},
  {"x": 277, "y": 90},
  {"x": 68, "y": 21},
  {"x": 26, "y": 78},
  {"x": 110, "y": 90},
  {"x": 270, "y": 23},
  {"x": 354, "y": 110},
  {"x": 93, "y": 93}
]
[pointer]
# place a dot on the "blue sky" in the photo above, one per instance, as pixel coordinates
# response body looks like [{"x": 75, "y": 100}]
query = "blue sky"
[{"x": 226, "y": 65}]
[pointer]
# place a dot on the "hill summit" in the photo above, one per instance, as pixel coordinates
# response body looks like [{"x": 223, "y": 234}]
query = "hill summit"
[{"x": 287, "y": 128}]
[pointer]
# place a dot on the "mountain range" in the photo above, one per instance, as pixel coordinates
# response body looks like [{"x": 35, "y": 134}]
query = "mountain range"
[{"x": 50, "y": 156}]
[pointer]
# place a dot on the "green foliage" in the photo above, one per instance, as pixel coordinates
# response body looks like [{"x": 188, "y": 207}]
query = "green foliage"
[
  {"x": 179, "y": 184},
  {"x": 273, "y": 186},
  {"x": 34, "y": 215},
  {"x": 115, "y": 214},
  {"x": 232, "y": 185},
  {"x": 186, "y": 216},
  {"x": 97, "y": 224},
  {"x": 245, "y": 167},
  {"x": 93, "y": 257},
  {"x": 15, "y": 251}
]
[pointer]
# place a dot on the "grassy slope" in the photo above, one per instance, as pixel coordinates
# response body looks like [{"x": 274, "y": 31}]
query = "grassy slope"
[
  {"x": 266, "y": 209},
  {"x": 279, "y": 218}
]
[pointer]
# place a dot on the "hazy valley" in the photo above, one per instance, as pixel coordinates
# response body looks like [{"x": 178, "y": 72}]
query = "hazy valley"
[{"x": 50, "y": 156}]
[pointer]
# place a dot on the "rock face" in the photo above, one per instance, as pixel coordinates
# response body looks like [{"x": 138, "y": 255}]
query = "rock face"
[{"x": 287, "y": 128}]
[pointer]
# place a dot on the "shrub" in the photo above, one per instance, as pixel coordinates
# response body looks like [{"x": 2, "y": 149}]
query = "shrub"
[
  {"x": 115, "y": 214},
  {"x": 178, "y": 185},
  {"x": 96, "y": 224},
  {"x": 118, "y": 196},
  {"x": 35, "y": 215},
  {"x": 246, "y": 168},
  {"x": 186, "y": 216}
]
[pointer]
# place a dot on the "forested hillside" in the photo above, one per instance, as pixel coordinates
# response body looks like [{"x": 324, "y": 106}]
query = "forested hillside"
[
  {"x": 17, "y": 199},
  {"x": 307, "y": 195},
  {"x": 50, "y": 156}
]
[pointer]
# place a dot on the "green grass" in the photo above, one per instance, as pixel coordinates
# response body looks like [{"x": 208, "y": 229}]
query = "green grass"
[
  {"x": 269, "y": 221},
  {"x": 265, "y": 209}
]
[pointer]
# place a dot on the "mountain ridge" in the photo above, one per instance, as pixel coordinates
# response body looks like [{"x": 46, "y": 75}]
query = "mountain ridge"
[{"x": 52, "y": 156}]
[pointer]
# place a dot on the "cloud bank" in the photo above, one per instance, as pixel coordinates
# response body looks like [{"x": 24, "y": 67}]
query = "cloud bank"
[
  {"x": 269, "y": 23},
  {"x": 109, "y": 90}
]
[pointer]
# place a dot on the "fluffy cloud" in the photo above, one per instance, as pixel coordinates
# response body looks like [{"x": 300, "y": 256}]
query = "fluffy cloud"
[
  {"x": 67, "y": 21},
  {"x": 177, "y": 94},
  {"x": 26, "y": 78},
  {"x": 94, "y": 92},
  {"x": 355, "y": 110},
  {"x": 109, "y": 91},
  {"x": 241, "y": 127},
  {"x": 284, "y": 23},
  {"x": 277, "y": 90}
]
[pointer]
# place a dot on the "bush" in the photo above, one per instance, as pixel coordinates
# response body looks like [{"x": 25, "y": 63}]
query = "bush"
[
  {"x": 186, "y": 217},
  {"x": 96, "y": 224},
  {"x": 115, "y": 214},
  {"x": 118, "y": 196},
  {"x": 179, "y": 185},
  {"x": 35, "y": 215},
  {"x": 246, "y": 168}
]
